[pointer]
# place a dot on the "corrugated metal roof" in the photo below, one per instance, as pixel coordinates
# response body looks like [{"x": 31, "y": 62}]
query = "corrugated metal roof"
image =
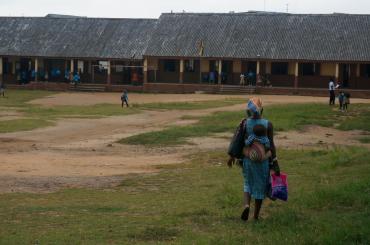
[
  {"x": 75, "y": 37},
  {"x": 279, "y": 36},
  {"x": 253, "y": 35}
]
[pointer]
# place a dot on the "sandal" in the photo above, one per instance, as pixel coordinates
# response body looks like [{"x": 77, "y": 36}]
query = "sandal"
[{"x": 245, "y": 214}]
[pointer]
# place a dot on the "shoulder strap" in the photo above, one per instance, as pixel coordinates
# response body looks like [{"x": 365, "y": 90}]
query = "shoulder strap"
[{"x": 265, "y": 123}]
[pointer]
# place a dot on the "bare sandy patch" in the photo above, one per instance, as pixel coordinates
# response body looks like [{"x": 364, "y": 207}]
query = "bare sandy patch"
[
  {"x": 114, "y": 98},
  {"x": 7, "y": 114},
  {"x": 318, "y": 137}
]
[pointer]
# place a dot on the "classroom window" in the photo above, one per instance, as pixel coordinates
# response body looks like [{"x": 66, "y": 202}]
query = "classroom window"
[
  {"x": 309, "y": 69},
  {"x": 169, "y": 65},
  {"x": 279, "y": 68},
  {"x": 365, "y": 70},
  {"x": 189, "y": 66}
]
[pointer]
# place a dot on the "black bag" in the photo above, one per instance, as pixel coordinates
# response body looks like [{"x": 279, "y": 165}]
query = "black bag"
[{"x": 237, "y": 142}]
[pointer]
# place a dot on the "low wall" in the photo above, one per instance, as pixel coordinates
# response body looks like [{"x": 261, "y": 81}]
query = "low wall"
[
  {"x": 179, "y": 88},
  {"x": 120, "y": 88},
  {"x": 52, "y": 86},
  {"x": 191, "y": 88}
]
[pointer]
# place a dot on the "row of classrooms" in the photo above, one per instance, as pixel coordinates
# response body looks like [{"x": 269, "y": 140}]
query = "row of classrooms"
[
  {"x": 23, "y": 70},
  {"x": 206, "y": 71},
  {"x": 269, "y": 73}
]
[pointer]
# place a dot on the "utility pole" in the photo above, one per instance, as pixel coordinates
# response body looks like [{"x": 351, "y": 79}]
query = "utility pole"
[{"x": 287, "y": 7}]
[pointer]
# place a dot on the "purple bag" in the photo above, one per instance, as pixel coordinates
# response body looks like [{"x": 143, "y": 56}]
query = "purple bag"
[{"x": 279, "y": 186}]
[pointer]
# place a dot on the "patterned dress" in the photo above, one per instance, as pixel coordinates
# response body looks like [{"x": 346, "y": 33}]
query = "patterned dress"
[{"x": 256, "y": 174}]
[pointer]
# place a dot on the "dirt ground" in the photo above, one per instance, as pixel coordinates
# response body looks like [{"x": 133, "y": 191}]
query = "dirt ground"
[
  {"x": 83, "y": 152},
  {"x": 112, "y": 98}
]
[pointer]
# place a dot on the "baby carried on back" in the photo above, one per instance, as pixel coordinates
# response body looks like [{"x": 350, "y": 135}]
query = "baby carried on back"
[{"x": 257, "y": 145}]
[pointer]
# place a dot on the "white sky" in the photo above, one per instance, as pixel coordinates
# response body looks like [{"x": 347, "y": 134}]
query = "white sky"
[{"x": 153, "y": 8}]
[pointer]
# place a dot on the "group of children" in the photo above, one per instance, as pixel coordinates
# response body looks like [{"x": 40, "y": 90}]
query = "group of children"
[
  {"x": 344, "y": 100},
  {"x": 343, "y": 97}
]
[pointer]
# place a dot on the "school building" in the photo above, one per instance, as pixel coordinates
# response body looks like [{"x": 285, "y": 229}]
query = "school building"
[{"x": 186, "y": 52}]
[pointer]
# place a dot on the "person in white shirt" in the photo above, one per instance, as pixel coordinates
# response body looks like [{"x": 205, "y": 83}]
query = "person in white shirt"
[
  {"x": 242, "y": 79},
  {"x": 331, "y": 92}
]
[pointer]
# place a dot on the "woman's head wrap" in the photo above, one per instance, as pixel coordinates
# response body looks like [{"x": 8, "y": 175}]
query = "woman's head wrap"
[{"x": 254, "y": 107}]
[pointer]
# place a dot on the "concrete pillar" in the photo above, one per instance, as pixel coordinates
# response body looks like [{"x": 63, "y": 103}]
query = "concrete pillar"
[
  {"x": 36, "y": 69},
  {"x": 296, "y": 74},
  {"x": 336, "y": 72},
  {"x": 181, "y": 78},
  {"x": 258, "y": 72},
  {"x": 72, "y": 66},
  {"x": 219, "y": 71},
  {"x": 1, "y": 69},
  {"x": 145, "y": 71},
  {"x": 109, "y": 73}
]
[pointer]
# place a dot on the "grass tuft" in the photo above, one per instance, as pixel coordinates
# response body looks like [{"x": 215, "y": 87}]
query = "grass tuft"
[{"x": 155, "y": 234}]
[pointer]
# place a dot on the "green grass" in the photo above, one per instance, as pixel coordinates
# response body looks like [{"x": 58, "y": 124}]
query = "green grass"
[
  {"x": 358, "y": 117},
  {"x": 19, "y": 98},
  {"x": 219, "y": 122},
  {"x": 23, "y": 125},
  {"x": 284, "y": 117},
  {"x": 200, "y": 203},
  {"x": 365, "y": 140}
]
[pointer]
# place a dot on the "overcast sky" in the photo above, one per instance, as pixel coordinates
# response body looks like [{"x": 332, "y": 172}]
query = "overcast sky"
[{"x": 153, "y": 8}]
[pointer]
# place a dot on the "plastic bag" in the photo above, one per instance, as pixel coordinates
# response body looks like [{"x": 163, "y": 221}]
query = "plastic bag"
[{"x": 279, "y": 186}]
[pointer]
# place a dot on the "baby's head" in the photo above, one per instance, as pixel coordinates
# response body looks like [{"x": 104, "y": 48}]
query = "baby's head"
[{"x": 260, "y": 130}]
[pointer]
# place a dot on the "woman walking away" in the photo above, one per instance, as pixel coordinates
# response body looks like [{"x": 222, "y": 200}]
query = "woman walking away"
[
  {"x": 124, "y": 98},
  {"x": 254, "y": 143}
]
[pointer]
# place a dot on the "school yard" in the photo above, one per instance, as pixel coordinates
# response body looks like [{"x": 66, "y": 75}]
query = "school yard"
[{"x": 76, "y": 168}]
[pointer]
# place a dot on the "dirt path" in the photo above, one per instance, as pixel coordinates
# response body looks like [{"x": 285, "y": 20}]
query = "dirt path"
[
  {"x": 83, "y": 152},
  {"x": 114, "y": 98}
]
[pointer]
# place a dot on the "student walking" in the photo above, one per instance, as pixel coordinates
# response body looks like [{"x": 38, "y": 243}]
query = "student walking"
[
  {"x": 346, "y": 101},
  {"x": 124, "y": 98},
  {"x": 331, "y": 92},
  {"x": 341, "y": 100}
]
